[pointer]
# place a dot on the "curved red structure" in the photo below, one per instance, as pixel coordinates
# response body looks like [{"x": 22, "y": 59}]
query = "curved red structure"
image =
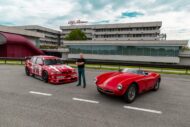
[{"x": 17, "y": 46}]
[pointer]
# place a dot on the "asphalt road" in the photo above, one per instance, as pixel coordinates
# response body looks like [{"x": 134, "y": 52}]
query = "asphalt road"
[{"x": 29, "y": 102}]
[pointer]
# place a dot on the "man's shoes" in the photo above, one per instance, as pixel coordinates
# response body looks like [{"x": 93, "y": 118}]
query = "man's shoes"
[{"x": 84, "y": 86}]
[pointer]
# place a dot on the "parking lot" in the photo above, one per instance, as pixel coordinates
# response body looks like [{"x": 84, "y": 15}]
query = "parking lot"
[{"x": 29, "y": 102}]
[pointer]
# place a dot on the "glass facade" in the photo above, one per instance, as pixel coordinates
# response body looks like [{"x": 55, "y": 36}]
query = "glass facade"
[{"x": 171, "y": 51}]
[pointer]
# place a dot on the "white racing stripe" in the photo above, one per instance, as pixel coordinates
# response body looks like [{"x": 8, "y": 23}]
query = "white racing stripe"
[
  {"x": 84, "y": 100},
  {"x": 54, "y": 68},
  {"x": 39, "y": 93},
  {"x": 68, "y": 67},
  {"x": 142, "y": 109}
]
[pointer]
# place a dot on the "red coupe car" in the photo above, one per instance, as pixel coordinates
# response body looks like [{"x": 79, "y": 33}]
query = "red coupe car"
[
  {"x": 127, "y": 83},
  {"x": 50, "y": 69}
]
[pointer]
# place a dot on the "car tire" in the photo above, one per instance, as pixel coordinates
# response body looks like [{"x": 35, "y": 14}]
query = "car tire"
[
  {"x": 33, "y": 75},
  {"x": 27, "y": 71},
  {"x": 131, "y": 93},
  {"x": 45, "y": 76},
  {"x": 157, "y": 85}
]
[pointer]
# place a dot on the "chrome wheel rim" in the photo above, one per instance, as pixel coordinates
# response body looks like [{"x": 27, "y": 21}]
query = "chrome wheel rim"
[
  {"x": 44, "y": 76},
  {"x": 132, "y": 93}
]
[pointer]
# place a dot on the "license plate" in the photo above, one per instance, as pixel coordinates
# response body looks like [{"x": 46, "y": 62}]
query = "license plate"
[{"x": 60, "y": 77}]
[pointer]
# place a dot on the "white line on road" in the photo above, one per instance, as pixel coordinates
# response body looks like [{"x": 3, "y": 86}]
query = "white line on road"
[
  {"x": 84, "y": 100},
  {"x": 39, "y": 93},
  {"x": 142, "y": 109}
]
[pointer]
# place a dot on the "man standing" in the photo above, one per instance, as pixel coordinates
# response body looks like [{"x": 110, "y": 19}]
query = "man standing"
[{"x": 81, "y": 71}]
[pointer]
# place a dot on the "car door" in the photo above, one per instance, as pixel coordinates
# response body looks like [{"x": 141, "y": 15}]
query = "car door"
[
  {"x": 146, "y": 80},
  {"x": 38, "y": 66},
  {"x": 33, "y": 64},
  {"x": 149, "y": 80}
]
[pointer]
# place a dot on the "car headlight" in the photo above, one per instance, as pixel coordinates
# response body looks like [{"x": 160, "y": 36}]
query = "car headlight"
[{"x": 119, "y": 87}]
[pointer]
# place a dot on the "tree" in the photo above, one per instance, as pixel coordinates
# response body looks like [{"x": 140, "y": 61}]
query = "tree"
[{"x": 76, "y": 34}]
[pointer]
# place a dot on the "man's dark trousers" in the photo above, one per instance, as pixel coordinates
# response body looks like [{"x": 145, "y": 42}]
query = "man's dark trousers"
[{"x": 81, "y": 74}]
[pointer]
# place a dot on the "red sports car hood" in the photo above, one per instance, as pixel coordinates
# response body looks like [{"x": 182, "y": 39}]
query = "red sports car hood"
[
  {"x": 118, "y": 77},
  {"x": 60, "y": 68}
]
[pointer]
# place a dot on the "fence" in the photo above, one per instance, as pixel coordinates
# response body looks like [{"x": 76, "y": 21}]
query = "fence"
[{"x": 115, "y": 65}]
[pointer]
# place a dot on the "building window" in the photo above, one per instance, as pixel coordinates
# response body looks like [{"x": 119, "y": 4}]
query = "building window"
[{"x": 126, "y": 50}]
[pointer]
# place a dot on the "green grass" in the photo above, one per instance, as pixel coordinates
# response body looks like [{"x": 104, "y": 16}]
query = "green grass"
[
  {"x": 2, "y": 61},
  {"x": 12, "y": 62}
]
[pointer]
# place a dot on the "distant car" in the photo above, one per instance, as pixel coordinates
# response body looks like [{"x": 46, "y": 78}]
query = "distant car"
[
  {"x": 127, "y": 83},
  {"x": 50, "y": 69}
]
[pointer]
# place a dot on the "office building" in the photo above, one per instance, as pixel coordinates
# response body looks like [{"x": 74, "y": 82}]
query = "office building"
[
  {"x": 51, "y": 37},
  {"x": 119, "y": 32}
]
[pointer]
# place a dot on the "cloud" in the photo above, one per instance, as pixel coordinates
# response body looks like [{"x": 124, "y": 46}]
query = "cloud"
[{"x": 53, "y": 13}]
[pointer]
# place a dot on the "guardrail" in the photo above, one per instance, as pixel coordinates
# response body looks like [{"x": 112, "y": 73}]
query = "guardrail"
[
  {"x": 117, "y": 65},
  {"x": 114, "y": 65}
]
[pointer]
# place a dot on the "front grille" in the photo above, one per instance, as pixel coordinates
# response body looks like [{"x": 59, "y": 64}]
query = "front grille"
[{"x": 106, "y": 91}]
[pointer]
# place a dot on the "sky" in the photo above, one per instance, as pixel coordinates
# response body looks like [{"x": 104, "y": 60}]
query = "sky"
[{"x": 174, "y": 14}]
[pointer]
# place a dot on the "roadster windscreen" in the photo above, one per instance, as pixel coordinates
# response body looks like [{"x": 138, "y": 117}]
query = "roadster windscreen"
[{"x": 134, "y": 71}]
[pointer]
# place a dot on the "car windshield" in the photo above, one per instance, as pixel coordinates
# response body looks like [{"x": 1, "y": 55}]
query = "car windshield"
[
  {"x": 53, "y": 61},
  {"x": 134, "y": 71}
]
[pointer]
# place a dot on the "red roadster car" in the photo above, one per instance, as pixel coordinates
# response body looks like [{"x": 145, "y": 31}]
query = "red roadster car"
[
  {"x": 127, "y": 83},
  {"x": 50, "y": 69}
]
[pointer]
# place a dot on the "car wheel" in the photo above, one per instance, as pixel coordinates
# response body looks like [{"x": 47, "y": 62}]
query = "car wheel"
[
  {"x": 157, "y": 85},
  {"x": 45, "y": 76},
  {"x": 27, "y": 71},
  {"x": 131, "y": 93},
  {"x": 33, "y": 75}
]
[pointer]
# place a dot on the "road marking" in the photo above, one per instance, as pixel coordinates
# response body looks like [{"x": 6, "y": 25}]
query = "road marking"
[
  {"x": 142, "y": 109},
  {"x": 39, "y": 93},
  {"x": 84, "y": 100}
]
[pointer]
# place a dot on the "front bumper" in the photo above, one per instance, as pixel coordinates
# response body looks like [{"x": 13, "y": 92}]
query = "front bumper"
[
  {"x": 106, "y": 91},
  {"x": 61, "y": 79},
  {"x": 109, "y": 91}
]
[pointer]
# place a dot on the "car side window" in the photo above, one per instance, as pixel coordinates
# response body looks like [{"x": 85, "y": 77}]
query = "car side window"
[
  {"x": 39, "y": 61},
  {"x": 33, "y": 59}
]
